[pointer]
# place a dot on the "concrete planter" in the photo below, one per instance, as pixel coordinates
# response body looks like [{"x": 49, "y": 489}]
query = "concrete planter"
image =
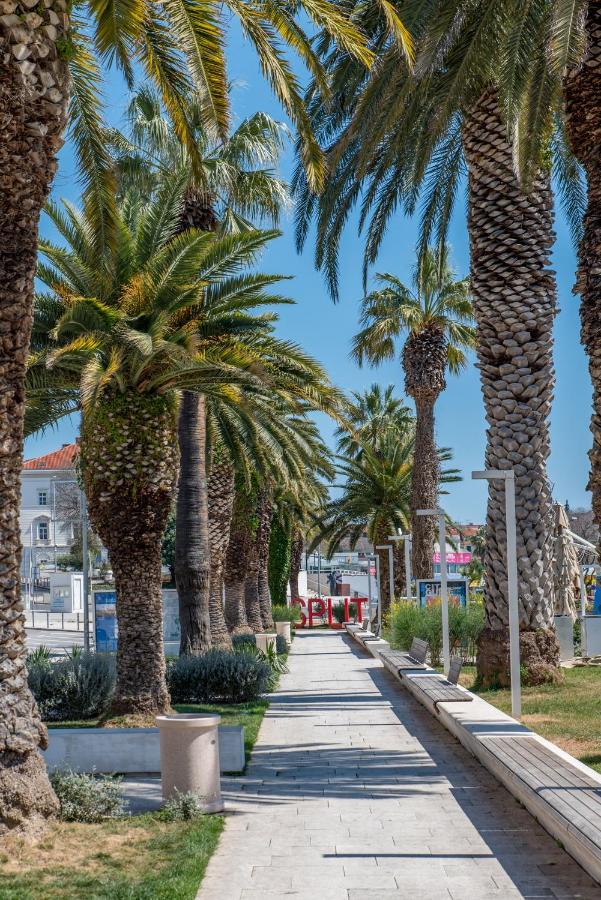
[
  {"x": 127, "y": 750},
  {"x": 264, "y": 640},
  {"x": 285, "y": 629},
  {"x": 190, "y": 758}
]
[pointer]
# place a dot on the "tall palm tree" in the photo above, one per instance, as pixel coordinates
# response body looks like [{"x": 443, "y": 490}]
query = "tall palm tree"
[
  {"x": 436, "y": 314},
  {"x": 480, "y": 96}
]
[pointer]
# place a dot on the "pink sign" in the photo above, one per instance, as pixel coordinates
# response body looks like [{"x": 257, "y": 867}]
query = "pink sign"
[{"x": 462, "y": 559}]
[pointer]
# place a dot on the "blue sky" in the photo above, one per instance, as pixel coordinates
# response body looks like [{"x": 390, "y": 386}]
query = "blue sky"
[{"x": 326, "y": 330}]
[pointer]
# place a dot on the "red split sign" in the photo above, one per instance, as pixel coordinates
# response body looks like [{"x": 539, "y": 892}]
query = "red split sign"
[{"x": 321, "y": 607}]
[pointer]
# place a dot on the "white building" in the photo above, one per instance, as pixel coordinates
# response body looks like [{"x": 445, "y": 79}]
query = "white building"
[{"x": 43, "y": 536}]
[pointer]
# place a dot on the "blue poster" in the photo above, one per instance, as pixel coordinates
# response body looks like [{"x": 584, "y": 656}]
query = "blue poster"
[
  {"x": 105, "y": 607},
  {"x": 428, "y": 591}
]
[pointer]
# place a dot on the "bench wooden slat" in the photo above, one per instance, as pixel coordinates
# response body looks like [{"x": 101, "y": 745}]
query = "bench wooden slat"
[
  {"x": 575, "y": 796},
  {"x": 439, "y": 690},
  {"x": 399, "y": 660}
]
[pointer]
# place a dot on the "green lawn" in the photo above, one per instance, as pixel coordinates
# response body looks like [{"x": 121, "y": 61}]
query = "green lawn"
[
  {"x": 137, "y": 858},
  {"x": 569, "y": 714}
]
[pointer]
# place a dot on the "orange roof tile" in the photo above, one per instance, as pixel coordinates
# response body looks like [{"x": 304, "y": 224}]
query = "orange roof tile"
[{"x": 58, "y": 459}]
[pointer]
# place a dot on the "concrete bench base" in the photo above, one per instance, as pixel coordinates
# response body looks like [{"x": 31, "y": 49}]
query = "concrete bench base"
[
  {"x": 562, "y": 793},
  {"x": 127, "y": 750}
]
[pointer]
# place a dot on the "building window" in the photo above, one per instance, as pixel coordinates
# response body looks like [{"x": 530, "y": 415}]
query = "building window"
[
  {"x": 43, "y": 531},
  {"x": 42, "y": 498}
]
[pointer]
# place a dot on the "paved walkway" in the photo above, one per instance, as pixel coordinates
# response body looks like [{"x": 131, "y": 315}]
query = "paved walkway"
[{"x": 355, "y": 792}]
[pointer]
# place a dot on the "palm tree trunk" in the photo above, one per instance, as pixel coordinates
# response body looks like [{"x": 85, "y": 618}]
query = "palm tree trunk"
[
  {"x": 129, "y": 463},
  {"x": 192, "y": 554},
  {"x": 236, "y": 566},
  {"x": 265, "y": 516},
  {"x": 279, "y": 560},
  {"x": 296, "y": 559},
  {"x": 511, "y": 235},
  {"x": 583, "y": 106},
  {"x": 221, "y": 504},
  {"x": 251, "y": 592},
  {"x": 30, "y": 136},
  {"x": 424, "y": 487}
]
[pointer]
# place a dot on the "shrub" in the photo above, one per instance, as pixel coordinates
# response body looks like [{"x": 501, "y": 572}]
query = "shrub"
[
  {"x": 240, "y": 641},
  {"x": 281, "y": 645},
  {"x": 182, "y": 808},
  {"x": 283, "y": 613},
  {"x": 77, "y": 687},
  {"x": 338, "y": 612},
  {"x": 408, "y": 621},
  {"x": 219, "y": 676},
  {"x": 86, "y": 798}
]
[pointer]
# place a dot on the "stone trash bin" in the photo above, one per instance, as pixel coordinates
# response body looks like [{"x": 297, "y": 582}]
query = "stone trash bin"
[
  {"x": 264, "y": 640},
  {"x": 284, "y": 628},
  {"x": 190, "y": 757}
]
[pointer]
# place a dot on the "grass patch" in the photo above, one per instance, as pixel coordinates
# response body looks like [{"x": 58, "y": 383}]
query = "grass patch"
[
  {"x": 567, "y": 714},
  {"x": 137, "y": 858}
]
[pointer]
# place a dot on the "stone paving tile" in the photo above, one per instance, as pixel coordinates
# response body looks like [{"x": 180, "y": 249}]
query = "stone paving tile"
[{"x": 355, "y": 792}]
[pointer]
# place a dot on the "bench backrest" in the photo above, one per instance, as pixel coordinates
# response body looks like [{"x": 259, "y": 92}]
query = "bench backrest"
[
  {"x": 455, "y": 669},
  {"x": 419, "y": 649}
]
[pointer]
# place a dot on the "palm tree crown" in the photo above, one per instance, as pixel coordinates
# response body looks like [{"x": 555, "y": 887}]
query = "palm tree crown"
[{"x": 369, "y": 417}]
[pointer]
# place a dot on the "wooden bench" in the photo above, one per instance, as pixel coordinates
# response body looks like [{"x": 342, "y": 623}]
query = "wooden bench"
[
  {"x": 396, "y": 661},
  {"x": 438, "y": 689}
]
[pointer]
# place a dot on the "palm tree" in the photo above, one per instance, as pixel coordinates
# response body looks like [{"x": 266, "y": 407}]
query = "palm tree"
[
  {"x": 229, "y": 183},
  {"x": 437, "y": 317},
  {"x": 131, "y": 328},
  {"x": 376, "y": 498},
  {"x": 368, "y": 416},
  {"x": 480, "y": 96}
]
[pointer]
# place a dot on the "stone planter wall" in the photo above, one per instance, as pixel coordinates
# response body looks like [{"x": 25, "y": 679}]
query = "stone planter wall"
[{"x": 127, "y": 750}]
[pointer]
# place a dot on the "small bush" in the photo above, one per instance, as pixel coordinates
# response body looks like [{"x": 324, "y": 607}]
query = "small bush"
[
  {"x": 281, "y": 644},
  {"x": 182, "y": 808},
  {"x": 338, "y": 613},
  {"x": 86, "y": 798},
  {"x": 240, "y": 641},
  {"x": 283, "y": 613},
  {"x": 218, "y": 676},
  {"x": 77, "y": 687},
  {"x": 408, "y": 621}
]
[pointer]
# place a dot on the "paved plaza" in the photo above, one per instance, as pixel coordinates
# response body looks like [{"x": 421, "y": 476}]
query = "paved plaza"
[{"x": 355, "y": 792}]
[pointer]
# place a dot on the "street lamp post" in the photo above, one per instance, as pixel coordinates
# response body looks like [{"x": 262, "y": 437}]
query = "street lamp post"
[
  {"x": 507, "y": 476},
  {"x": 444, "y": 591},
  {"x": 407, "y": 539},
  {"x": 378, "y": 585},
  {"x": 85, "y": 565}
]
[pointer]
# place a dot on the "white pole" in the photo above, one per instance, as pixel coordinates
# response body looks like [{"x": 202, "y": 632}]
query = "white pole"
[
  {"x": 512, "y": 579},
  {"x": 86, "y": 571},
  {"x": 391, "y": 571},
  {"x": 368, "y": 588},
  {"x": 408, "y": 566},
  {"x": 444, "y": 592},
  {"x": 582, "y": 612},
  {"x": 379, "y": 589},
  {"x": 319, "y": 570}
]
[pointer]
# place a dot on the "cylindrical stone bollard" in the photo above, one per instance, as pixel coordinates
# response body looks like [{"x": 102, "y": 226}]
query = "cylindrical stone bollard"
[
  {"x": 264, "y": 640},
  {"x": 284, "y": 629},
  {"x": 190, "y": 758}
]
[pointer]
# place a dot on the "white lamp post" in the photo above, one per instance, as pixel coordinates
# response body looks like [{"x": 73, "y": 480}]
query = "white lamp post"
[
  {"x": 407, "y": 539},
  {"x": 444, "y": 592},
  {"x": 507, "y": 476},
  {"x": 379, "y": 592}
]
